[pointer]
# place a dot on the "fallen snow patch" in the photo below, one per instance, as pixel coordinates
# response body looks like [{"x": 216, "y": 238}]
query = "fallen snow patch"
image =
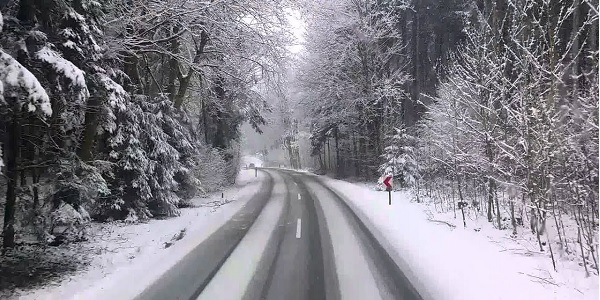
[{"x": 450, "y": 262}]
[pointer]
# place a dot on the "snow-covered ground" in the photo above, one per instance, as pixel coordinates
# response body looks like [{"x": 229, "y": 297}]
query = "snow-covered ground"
[
  {"x": 449, "y": 262},
  {"x": 144, "y": 251}
]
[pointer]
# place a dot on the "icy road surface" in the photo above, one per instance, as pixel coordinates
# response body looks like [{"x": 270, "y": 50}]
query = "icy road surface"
[{"x": 295, "y": 239}]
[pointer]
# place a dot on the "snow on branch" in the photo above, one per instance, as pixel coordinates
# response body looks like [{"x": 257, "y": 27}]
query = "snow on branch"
[
  {"x": 13, "y": 74},
  {"x": 65, "y": 67},
  {"x": 116, "y": 94}
]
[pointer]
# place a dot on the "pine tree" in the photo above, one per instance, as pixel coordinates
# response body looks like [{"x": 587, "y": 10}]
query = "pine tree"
[
  {"x": 400, "y": 158},
  {"x": 21, "y": 96}
]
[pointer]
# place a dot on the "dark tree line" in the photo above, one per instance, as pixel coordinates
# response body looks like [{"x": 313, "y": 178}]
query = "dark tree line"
[
  {"x": 371, "y": 66},
  {"x": 125, "y": 109},
  {"x": 489, "y": 107}
]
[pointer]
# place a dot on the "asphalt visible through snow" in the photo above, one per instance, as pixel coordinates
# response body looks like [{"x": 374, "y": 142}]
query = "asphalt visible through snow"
[
  {"x": 295, "y": 239},
  {"x": 190, "y": 275},
  {"x": 298, "y": 270}
]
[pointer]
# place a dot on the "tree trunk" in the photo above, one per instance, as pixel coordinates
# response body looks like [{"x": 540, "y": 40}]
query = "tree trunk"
[
  {"x": 491, "y": 193},
  {"x": 575, "y": 48},
  {"x": 11, "y": 158},
  {"x": 36, "y": 195},
  {"x": 362, "y": 144},
  {"x": 184, "y": 81},
  {"x": 590, "y": 237},
  {"x": 297, "y": 151},
  {"x": 513, "y": 220},
  {"x": 337, "y": 151},
  {"x": 578, "y": 221},
  {"x": 321, "y": 164},
  {"x": 461, "y": 197},
  {"x": 296, "y": 144},
  {"x": 562, "y": 228},
  {"x": 355, "y": 155},
  {"x": 89, "y": 130},
  {"x": 130, "y": 65},
  {"x": 453, "y": 196},
  {"x": 498, "y": 217},
  {"x": 560, "y": 237},
  {"x": 329, "y": 167},
  {"x": 409, "y": 110},
  {"x": 541, "y": 222},
  {"x": 173, "y": 64},
  {"x": 205, "y": 122}
]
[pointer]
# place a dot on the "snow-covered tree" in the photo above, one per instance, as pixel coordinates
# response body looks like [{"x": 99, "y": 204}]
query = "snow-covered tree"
[
  {"x": 21, "y": 95},
  {"x": 506, "y": 120},
  {"x": 145, "y": 96},
  {"x": 354, "y": 83},
  {"x": 400, "y": 158}
]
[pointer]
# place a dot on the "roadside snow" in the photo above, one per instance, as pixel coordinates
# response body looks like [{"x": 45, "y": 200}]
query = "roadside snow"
[
  {"x": 124, "y": 251},
  {"x": 447, "y": 262}
]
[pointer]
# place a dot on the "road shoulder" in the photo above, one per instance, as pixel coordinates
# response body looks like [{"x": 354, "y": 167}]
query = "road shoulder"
[{"x": 119, "y": 249}]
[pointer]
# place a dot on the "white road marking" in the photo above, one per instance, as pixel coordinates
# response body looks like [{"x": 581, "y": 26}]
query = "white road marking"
[
  {"x": 295, "y": 183},
  {"x": 299, "y": 197},
  {"x": 299, "y": 228}
]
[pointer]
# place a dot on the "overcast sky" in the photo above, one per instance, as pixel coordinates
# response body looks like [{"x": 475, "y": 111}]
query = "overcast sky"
[{"x": 297, "y": 27}]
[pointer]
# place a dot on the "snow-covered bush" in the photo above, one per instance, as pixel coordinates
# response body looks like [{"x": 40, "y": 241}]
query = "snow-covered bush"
[
  {"x": 211, "y": 169},
  {"x": 233, "y": 158},
  {"x": 64, "y": 196},
  {"x": 67, "y": 224}
]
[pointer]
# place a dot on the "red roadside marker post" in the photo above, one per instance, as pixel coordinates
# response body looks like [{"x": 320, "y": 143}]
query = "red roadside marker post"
[{"x": 388, "y": 187}]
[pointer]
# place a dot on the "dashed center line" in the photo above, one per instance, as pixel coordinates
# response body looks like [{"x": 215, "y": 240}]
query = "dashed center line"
[{"x": 299, "y": 228}]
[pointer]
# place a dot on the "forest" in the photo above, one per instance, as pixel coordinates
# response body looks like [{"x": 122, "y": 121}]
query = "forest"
[
  {"x": 125, "y": 110},
  {"x": 488, "y": 107}
]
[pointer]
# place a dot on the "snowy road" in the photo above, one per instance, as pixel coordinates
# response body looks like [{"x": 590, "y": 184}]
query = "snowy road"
[{"x": 295, "y": 239}]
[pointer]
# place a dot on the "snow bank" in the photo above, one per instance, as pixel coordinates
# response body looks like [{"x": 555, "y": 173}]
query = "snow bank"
[
  {"x": 461, "y": 264},
  {"x": 138, "y": 251}
]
